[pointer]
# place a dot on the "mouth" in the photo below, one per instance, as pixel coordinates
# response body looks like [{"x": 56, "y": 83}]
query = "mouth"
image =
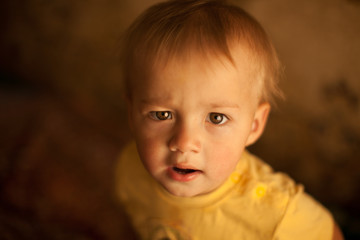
[
  {"x": 183, "y": 174},
  {"x": 184, "y": 171}
]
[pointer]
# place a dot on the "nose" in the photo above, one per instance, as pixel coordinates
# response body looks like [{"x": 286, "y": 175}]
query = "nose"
[{"x": 185, "y": 139}]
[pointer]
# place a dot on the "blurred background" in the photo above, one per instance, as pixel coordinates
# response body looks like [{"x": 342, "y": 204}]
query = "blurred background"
[{"x": 63, "y": 119}]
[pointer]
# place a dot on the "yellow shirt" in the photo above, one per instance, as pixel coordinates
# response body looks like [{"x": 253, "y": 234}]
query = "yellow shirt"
[{"x": 254, "y": 203}]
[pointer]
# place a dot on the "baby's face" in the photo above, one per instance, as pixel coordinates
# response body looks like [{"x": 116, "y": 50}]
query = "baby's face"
[{"x": 192, "y": 121}]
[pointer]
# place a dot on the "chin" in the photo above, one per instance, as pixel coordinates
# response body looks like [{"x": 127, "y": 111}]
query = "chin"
[
  {"x": 180, "y": 194},
  {"x": 185, "y": 193}
]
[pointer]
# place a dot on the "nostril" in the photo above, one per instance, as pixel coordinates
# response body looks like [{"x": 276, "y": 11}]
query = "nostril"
[
  {"x": 172, "y": 148},
  {"x": 183, "y": 148}
]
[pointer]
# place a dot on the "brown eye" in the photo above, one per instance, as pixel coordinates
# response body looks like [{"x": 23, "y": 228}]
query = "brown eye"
[
  {"x": 161, "y": 115},
  {"x": 217, "y": 118}
]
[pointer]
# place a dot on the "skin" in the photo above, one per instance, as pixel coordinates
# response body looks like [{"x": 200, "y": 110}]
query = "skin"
[{"x": 197, "y": 115}]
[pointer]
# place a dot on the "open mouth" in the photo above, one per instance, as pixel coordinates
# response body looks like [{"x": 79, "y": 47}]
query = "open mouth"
[
  {"x": 184, "y": 171},
  {"x": 183, "y": 174}
]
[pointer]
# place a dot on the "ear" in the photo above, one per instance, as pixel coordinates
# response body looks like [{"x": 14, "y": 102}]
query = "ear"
[{"x": 259, "y": 123}]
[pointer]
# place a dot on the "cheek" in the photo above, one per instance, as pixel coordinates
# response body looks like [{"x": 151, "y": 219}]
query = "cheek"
[
  {"x": 151, "y": 150},
  {"x": 226, "y": 151},
  {"x": 147, "y": 149},
  {"x": 224, "y": 159}
]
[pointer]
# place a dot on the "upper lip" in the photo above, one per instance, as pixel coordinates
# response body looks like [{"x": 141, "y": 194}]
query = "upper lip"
[{"x": 182, "y": 162}]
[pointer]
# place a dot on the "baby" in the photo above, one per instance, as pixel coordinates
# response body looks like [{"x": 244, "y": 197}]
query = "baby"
[{"x": 200, "y": 77}]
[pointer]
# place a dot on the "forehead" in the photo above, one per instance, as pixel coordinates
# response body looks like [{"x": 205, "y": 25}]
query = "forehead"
[
  {"x": 195, "y": 76},
  {"x": 242, "y": 61}
]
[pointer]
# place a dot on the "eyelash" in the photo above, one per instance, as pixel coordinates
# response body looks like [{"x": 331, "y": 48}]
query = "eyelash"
[
  {"x": 223, "y": 117},
  {"x": 167, "y": 115},
  {"x": 156, "y": 115}
]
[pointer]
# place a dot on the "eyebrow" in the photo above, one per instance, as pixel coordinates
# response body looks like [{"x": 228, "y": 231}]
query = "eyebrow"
[
  {"x": 156, "y": 101},
  {"x": 153, "y": 101},
  {"x": 224, "y": 105}
]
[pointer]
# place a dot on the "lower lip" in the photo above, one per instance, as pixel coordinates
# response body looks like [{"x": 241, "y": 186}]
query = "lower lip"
[{"x": 183, "y": 177}]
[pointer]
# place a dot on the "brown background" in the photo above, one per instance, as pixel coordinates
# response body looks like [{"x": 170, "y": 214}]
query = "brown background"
[{"x": 63, "y": 119}]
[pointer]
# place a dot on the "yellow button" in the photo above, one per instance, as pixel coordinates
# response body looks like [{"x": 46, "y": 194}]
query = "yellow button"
[
  {"x": 260, "y": 191},
  {"x": 235, "y": 177}
]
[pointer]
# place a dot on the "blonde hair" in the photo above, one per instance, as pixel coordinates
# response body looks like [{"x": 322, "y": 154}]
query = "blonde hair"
[{"x": 209, "y": 27}]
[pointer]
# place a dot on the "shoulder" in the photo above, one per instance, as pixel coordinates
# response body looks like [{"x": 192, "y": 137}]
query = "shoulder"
[
  {"x": 260, "y": 173},
  {"x": 302, "y": 217},
  {"x": 267, "y": 192},
  {"x": 129, "y": 163},
  {"x": 131, "y": 178},
  {"x": 307, "y": 218}
]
